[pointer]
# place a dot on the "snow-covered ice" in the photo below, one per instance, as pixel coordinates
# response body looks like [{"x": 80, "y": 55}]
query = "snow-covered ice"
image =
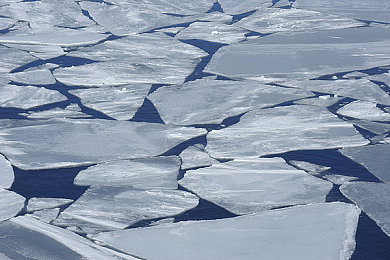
[
  {"x": 194, "y": 157},
  {"x": 6, "y": 173},
  {"x": 318, "y": 231},
  {"x": 10, "y": 204},
  {"x": 33, "y": 77},
  {"x": 364, "y": 110},
  {"x": 46, "y": 203}
]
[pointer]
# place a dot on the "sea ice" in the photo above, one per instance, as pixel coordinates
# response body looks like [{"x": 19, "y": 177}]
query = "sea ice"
[
  {"x": 364, "y": 110},
  {"x": 43, "y": 52},
  {"x": 320, "y": 101},
  {"x": 374, "y": 127},
  {"x": 374, "y": 157},
  {"x": 291, "y": 233},
  {"x": 216, "y": 17},
  {"x": 282, "y": 129},
  {"x": 211, "y": 101},
  {"x": 10, "y": 204},
  {"x": 105, "y": 208},
  {"x": 154, "y": 172},
  {"x": 65, "y": 143},
  {"x": 311, "y": 168},
  {"x": 46, "y": 215},
  {"x": 35, "y": 204},
  {"x": 194, "y": 157},
  {"x": 340, "y": 179},
  {"x": 11, "y": 58},
  {"x": 28, "y": 96},
  {"x": 372, "y": 198},
  {"x": 34, "y": 77},
  {"x": 385, "y": 78},
  {"x": 71, "y": 111},
  {"x": 250, "y": 185},
  {"x": 234, "y": 7},
  {"x": 120, "y": 102},
  {"x": 6, "y": 173},
  {"x": 6, "y": 23}
]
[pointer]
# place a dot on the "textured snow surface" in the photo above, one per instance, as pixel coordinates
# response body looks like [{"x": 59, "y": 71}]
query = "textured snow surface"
[
  {"x": 10, "y": 204},
  {"x": 6, "y": 173},
  {"x": 364, "y": 110},
  {"x": 250, "y": 185},
  {"x": 266, "y": 235},
  {"x": 46, "y": 203},
  {"x": 59, "y": 143},
  {"x": 269, "y": 131}
]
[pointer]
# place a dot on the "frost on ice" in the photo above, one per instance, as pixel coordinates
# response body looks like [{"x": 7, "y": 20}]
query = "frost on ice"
[
  {"x": 364, "y": 110},
  {"x": 269, "y": 131},
  {"x": 291, "y": 233},
  {"x": 250, "y": 185},
  {"x": 59, "y": 143}
]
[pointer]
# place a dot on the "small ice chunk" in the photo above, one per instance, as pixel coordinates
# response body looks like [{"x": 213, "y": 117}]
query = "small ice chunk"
[
  {"x": 6, "y": 173},
  {"x": 155, "y": 172},
  {"x": 194, "y": 157},
  {"x": 354, "y": 74},
  {"x": 173, "y": 30},
  {"x": 34, "y": 77},
  {"x": 104, "y": 208},
  {"x": 290, "y": 233},
  {"x": 311, "y": 168},
  {"x": 364, "y": 110},
  {"x": 374, "y": 157},
  {"x": 282, "y": 129},
  {"x": 71, "y": 111},
  {"x": 211, "y": 101},
  {"x": 12, "y": 58},
  {"x": 340, "y": 179},
  {"x": 10, "y": 204},
  {"x": 44, "y": 52},
  {"x": 321, "y": 101},
  {"x": 46, "y": 215},
  {"x": 121, "y": 102},
  {"x": 28, "y": 96},
  {"x": 372, "y": 198},
  {"x": 46, "y": 203}
]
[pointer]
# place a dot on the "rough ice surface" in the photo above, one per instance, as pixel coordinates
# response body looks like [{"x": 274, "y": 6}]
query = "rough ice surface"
[
  {"x": 44, "y": 52},
  {"x": 303, "y": 56},
  {"x": 10, "y": 204},
  {"x": 364, "y": 110},
  {"x": 374, "y": 157},
  {"x": 211, "y": 101},
  {"x": 339, "y": 179},
  {"x": 213, "y": 32},
  {"x": 194, "y": 157},
  {"x": 71, "y": 111},
  {"x": 6, "y": 23},
  {"x": 46, "y": 203},
  {"x": 234, "y": 7},
  {"x": 46, "y": 215},
  {"x": 266, "y": 235},
  {"x": 12, "y": 58},
  {"x": 154, "y": 172},
  {"x": 34, "y": 77},
  {"x": 268, "y": 131},
  {"x": 120, "y": 102},
  {"x": 28, "y": 96},
  {"x": 272, "y": 20},
  {"x": 105, "y": 208},
  {"x": 373, "y": 10},
  {"x": 60, "y": 143},
  {"x": 74, "y": 242},
  {"x": 311, "y": 168},
  {"x": 6, "y": 173},
  {"x": 155, "y": 59},
  {"x": 372, "y": 198},
  {"x": 250, "y": 185}
]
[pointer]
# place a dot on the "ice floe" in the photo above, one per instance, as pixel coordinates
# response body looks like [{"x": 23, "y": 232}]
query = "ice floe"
[
  {"x": 216, "y": 17},
  {"x": 28, "y": 96},
  {"x": 10, "y": 204},
  {"x": 384, "y": 78},
  {"x": 374, "y": 127},
  {"x": 311, "y": 168},
  {"x": 155, "y": 172},
  {"x": 339, "y": 179},
  {"x": 364, "y": 110},
  {"x": 250, "y": 185},
  {"x": 291, "y": 233},
  {"x": 35, "y": 204},
  {"x": 12, "y": 58},
  {"x": 6, "y": 173},
  {"x": 44, "y": 52},
  {"x": 46, "y": 215},
  {"x": 234, "y": 7},
  {"x": 33, "y": 77},
  {"x": 194, "y": 157},
  {"x": 282, "y": 129},
  {"x": 372, "y": 198},
  {"x": 120, "y": 102},
  {"x": 320, "y": 101},
  {"x": 105, "y": 208},
  {"x": 155, "y": 58},
  {"x": 211, "y": 101},
  {"x": 374, "y": 157},
  {"x": 71, "y": 111}
]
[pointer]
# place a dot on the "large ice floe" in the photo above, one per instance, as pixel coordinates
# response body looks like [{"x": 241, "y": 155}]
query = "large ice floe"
[
  {"x": 12, "y": 58},
  {"x": 364, "y": 110},
  {"x": 155, "y": 58},
  {"x": 34, "y": 77},
  {"x": 61, "y": 143},
  {"x": 304, "y": 55},
  {"x": 6, "y": 173},
  {"x": 265, "y": 235},
  {"x": 282, "y": 129},
  {"x": 250, "y": 185}
]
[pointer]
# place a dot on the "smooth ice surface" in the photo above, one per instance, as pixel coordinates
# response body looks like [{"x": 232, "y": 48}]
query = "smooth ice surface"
[
  {"x": 40, "y": 51},
  {"x": 320, "y": 101},
  {"x": 212, "y": 32},
  {"x": 76, "y": 243},
  {"x": 303, "y": 56},
  {"x": 58, "y": 143},
  {"x": 362, "y": 89},
  {"x": 250, "y": 185},
  {"x": 339, "y": 179},
  {"x": 374, "y": 127},
  {"x": 46, "y": 215},
  {"x": 374, "y": 157},
  {"x": 374, "y": 10},
  {"x": 271, "y": 20},
  {"x": 211, "y": 101},
  {"x": 13, "y": 58},
  {"x": 28, "y": 96},
  {"x": 121, "y": 102},
  {"x": 291, "y": 233},
  {"x": 35, "y": 77},
  {"x": 234, "y": 7},
  {"x": 10, "y": 204},
  {"x": 6, "y": 173},
  {"x": 46, "y": 203},
  {"x": 71, "y": 111},
  {"x": 143, "y": 58},
  {"x": 309, "y": 167},
  {"x": 282, "y": 129},
  {"x": 105, "y": 208},
  {"x": 372, "y": 198},
  {"x": 364, "y": 110},
  {"x": 193, "y": 157},
  {"x": 155, "y": 172}
]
